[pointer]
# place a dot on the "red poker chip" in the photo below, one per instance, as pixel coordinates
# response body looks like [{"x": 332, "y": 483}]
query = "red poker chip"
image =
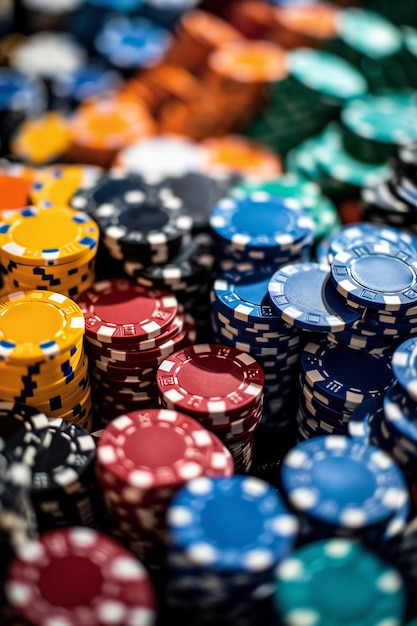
[
  {"x": 210, "y": 379},
  {"x": 78, "y": 577},
  {"x": 153, "y": 448},
  {"x": 171, "y": 331},
  {"x": 126, "y": 312}
]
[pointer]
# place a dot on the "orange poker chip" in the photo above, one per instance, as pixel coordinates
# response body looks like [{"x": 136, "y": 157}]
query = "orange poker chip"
[
  {"x": 101, "y": 127},
  {"x": 15, "y": 184},
  {"x": 199, "y": 119},
  {"x": 305, "y": 26},
  {"x": 249, "y": 61},
  {"x": 238, "y": 154},
  {"x": 42, "y": 140},
  {"x": 198, "y": 34}
]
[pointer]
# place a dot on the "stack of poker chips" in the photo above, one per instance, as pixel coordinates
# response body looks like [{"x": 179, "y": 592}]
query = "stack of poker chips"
[
  {"x": 320, "y": 479},
  {"x": 217, "y": 565},
  {"x": 129, "y": 330},
  {"x": 100, "y": 576},
  {"x": 48, "y": 248},
  {"x": 334, "y": 381},
  {"x": 281, "y": 233},
  {"x": 402, "y": 556},
  {"x": 394, "y": 201},
  {"x": 243, "y": 318},
  {"x": 143, "y": 459},
  {"x": 317, "y": 86},
  {"x": 222, "y": 388},
  {"x": 42, "y": 359},
  {"x": 337, "y": 579},
  {"x": 390, "y": 422}
]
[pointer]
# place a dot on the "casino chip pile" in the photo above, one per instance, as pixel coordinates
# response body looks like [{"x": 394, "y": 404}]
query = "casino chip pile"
[
  {"x": 394, "y": 201},
  {"x": 129, "y": 330},
  {"x": 340, "y": 487},
  {"x": 243, "y": 318},
  {"x": 50, "y": 248},
  {"x": 338, "y": 581},
  {"x": 225, "y": 538},
  {"x": 100, "y": 578},
  {"x": 42, "y": 359},
  {"x": 222, "y": 388},
  {"x": 143, "y": 459}
]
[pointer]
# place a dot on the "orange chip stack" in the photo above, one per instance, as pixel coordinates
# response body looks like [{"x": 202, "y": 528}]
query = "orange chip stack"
[
  {"x": 240, "y": 70},
  {"x": 307, "y": 26},
  {"x": 198, "y": 119},
  {"x": 161, "y": 84},
  {"x": 15, "y": 184},
  {"x": 234, "y": 153},
  {"x": 103, "y": 127},
  {"x": 43, "y": 140},
  {"x": 198, "y": 34}
]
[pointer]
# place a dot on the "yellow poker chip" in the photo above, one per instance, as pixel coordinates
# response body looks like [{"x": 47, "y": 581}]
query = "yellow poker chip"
[
  {"x": 43, "y": 140},
  {"x": 47, "y": 236},
  {"x": 38, "y": 325},
  {"x": 55, "y": 185}
]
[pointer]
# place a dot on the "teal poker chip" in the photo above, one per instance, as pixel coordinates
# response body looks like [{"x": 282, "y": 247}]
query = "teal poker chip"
[
  {"x": 335, "y": 582},
  {"x": 368, "y": 33}
]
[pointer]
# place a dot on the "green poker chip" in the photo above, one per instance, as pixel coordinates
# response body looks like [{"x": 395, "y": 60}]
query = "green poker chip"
[
  {"x": 338, "y": 582},
  {"x": 368, "y": 33},
  {"x": 326, "y": 73}
]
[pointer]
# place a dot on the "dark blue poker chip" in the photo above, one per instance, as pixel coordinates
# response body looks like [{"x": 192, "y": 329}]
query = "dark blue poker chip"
[
  {"x": 404, "y": 365},
  {"x": 401, "y": 415},
  {"x": 303, "y": 295},
  {"x": 345, "y": 376},
  {"x": 362, "y": 418},
  {"x": 91, "y": 80}
]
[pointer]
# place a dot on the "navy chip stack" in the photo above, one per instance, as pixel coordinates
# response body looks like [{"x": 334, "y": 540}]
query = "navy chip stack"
[
  {"x": 143, "y": 459},
  {"x": 320, "y": 479},
  {"x": 222, "y": 388},
  {"x": 129, "y": 330},
  {"x": 243, "y": 318},
  {"x": 226, "y": 536}
]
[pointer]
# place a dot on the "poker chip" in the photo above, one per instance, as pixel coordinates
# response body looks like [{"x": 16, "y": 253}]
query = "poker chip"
[
  {"x": 390, "y": 287},
  {"x": 132, "y": 43},
  {"x": 374, "y": 590},
  {"x": 303, "y": 295},
  {"x": 143, "y": 458},
  {"x": 88, "y": 81},
  {"x": 403, "y": 366},
  {"x": 311, "y": 470},
  {"x": 85, "y": 557},
  {"x": 338, "y": 373},
  {"x": 282, "y": 224},
  {"x": 57, "y": 184},
  {"x": 161, "y": 156}
]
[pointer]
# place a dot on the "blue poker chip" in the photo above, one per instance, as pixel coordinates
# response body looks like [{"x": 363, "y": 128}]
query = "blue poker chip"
[
  {"x": 401, "y": 414},
  {"x": 19, "y": 93},
  {"x": 319, "y": 408},
  {"x": 303, "y": 295},
  {"x": 404, "y": 366},
  {"x": 344, "y": 375},
  {"x": 356, "y": 341},
  {"x": 376, "y": 275},
  {"x": 85, "y": 82},
  {"x": 263, "y": 222},
  {"x": 132, "y": 42},
  {"x": 236, "y": 524},
  {"x": 342, "y": 482},
  {"x": 360, "y": 231},
  {"x": 243, "y": 295},
  {"x": 117, "y": 5},
  {"x": 362, "y": 418}
]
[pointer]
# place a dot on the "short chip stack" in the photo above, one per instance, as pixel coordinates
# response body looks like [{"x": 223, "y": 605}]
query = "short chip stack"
[
  {"x": 42, "y": 360},
  {"x": 49, "y": 248},
  {"x": 220, "y": 387},
  {"x": 143, "y": 458},
  {"x": 129, "y": 330}
]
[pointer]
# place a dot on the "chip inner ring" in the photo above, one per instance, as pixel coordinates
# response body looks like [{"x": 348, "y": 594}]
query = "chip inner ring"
[{"x": 367, "y": 272}]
